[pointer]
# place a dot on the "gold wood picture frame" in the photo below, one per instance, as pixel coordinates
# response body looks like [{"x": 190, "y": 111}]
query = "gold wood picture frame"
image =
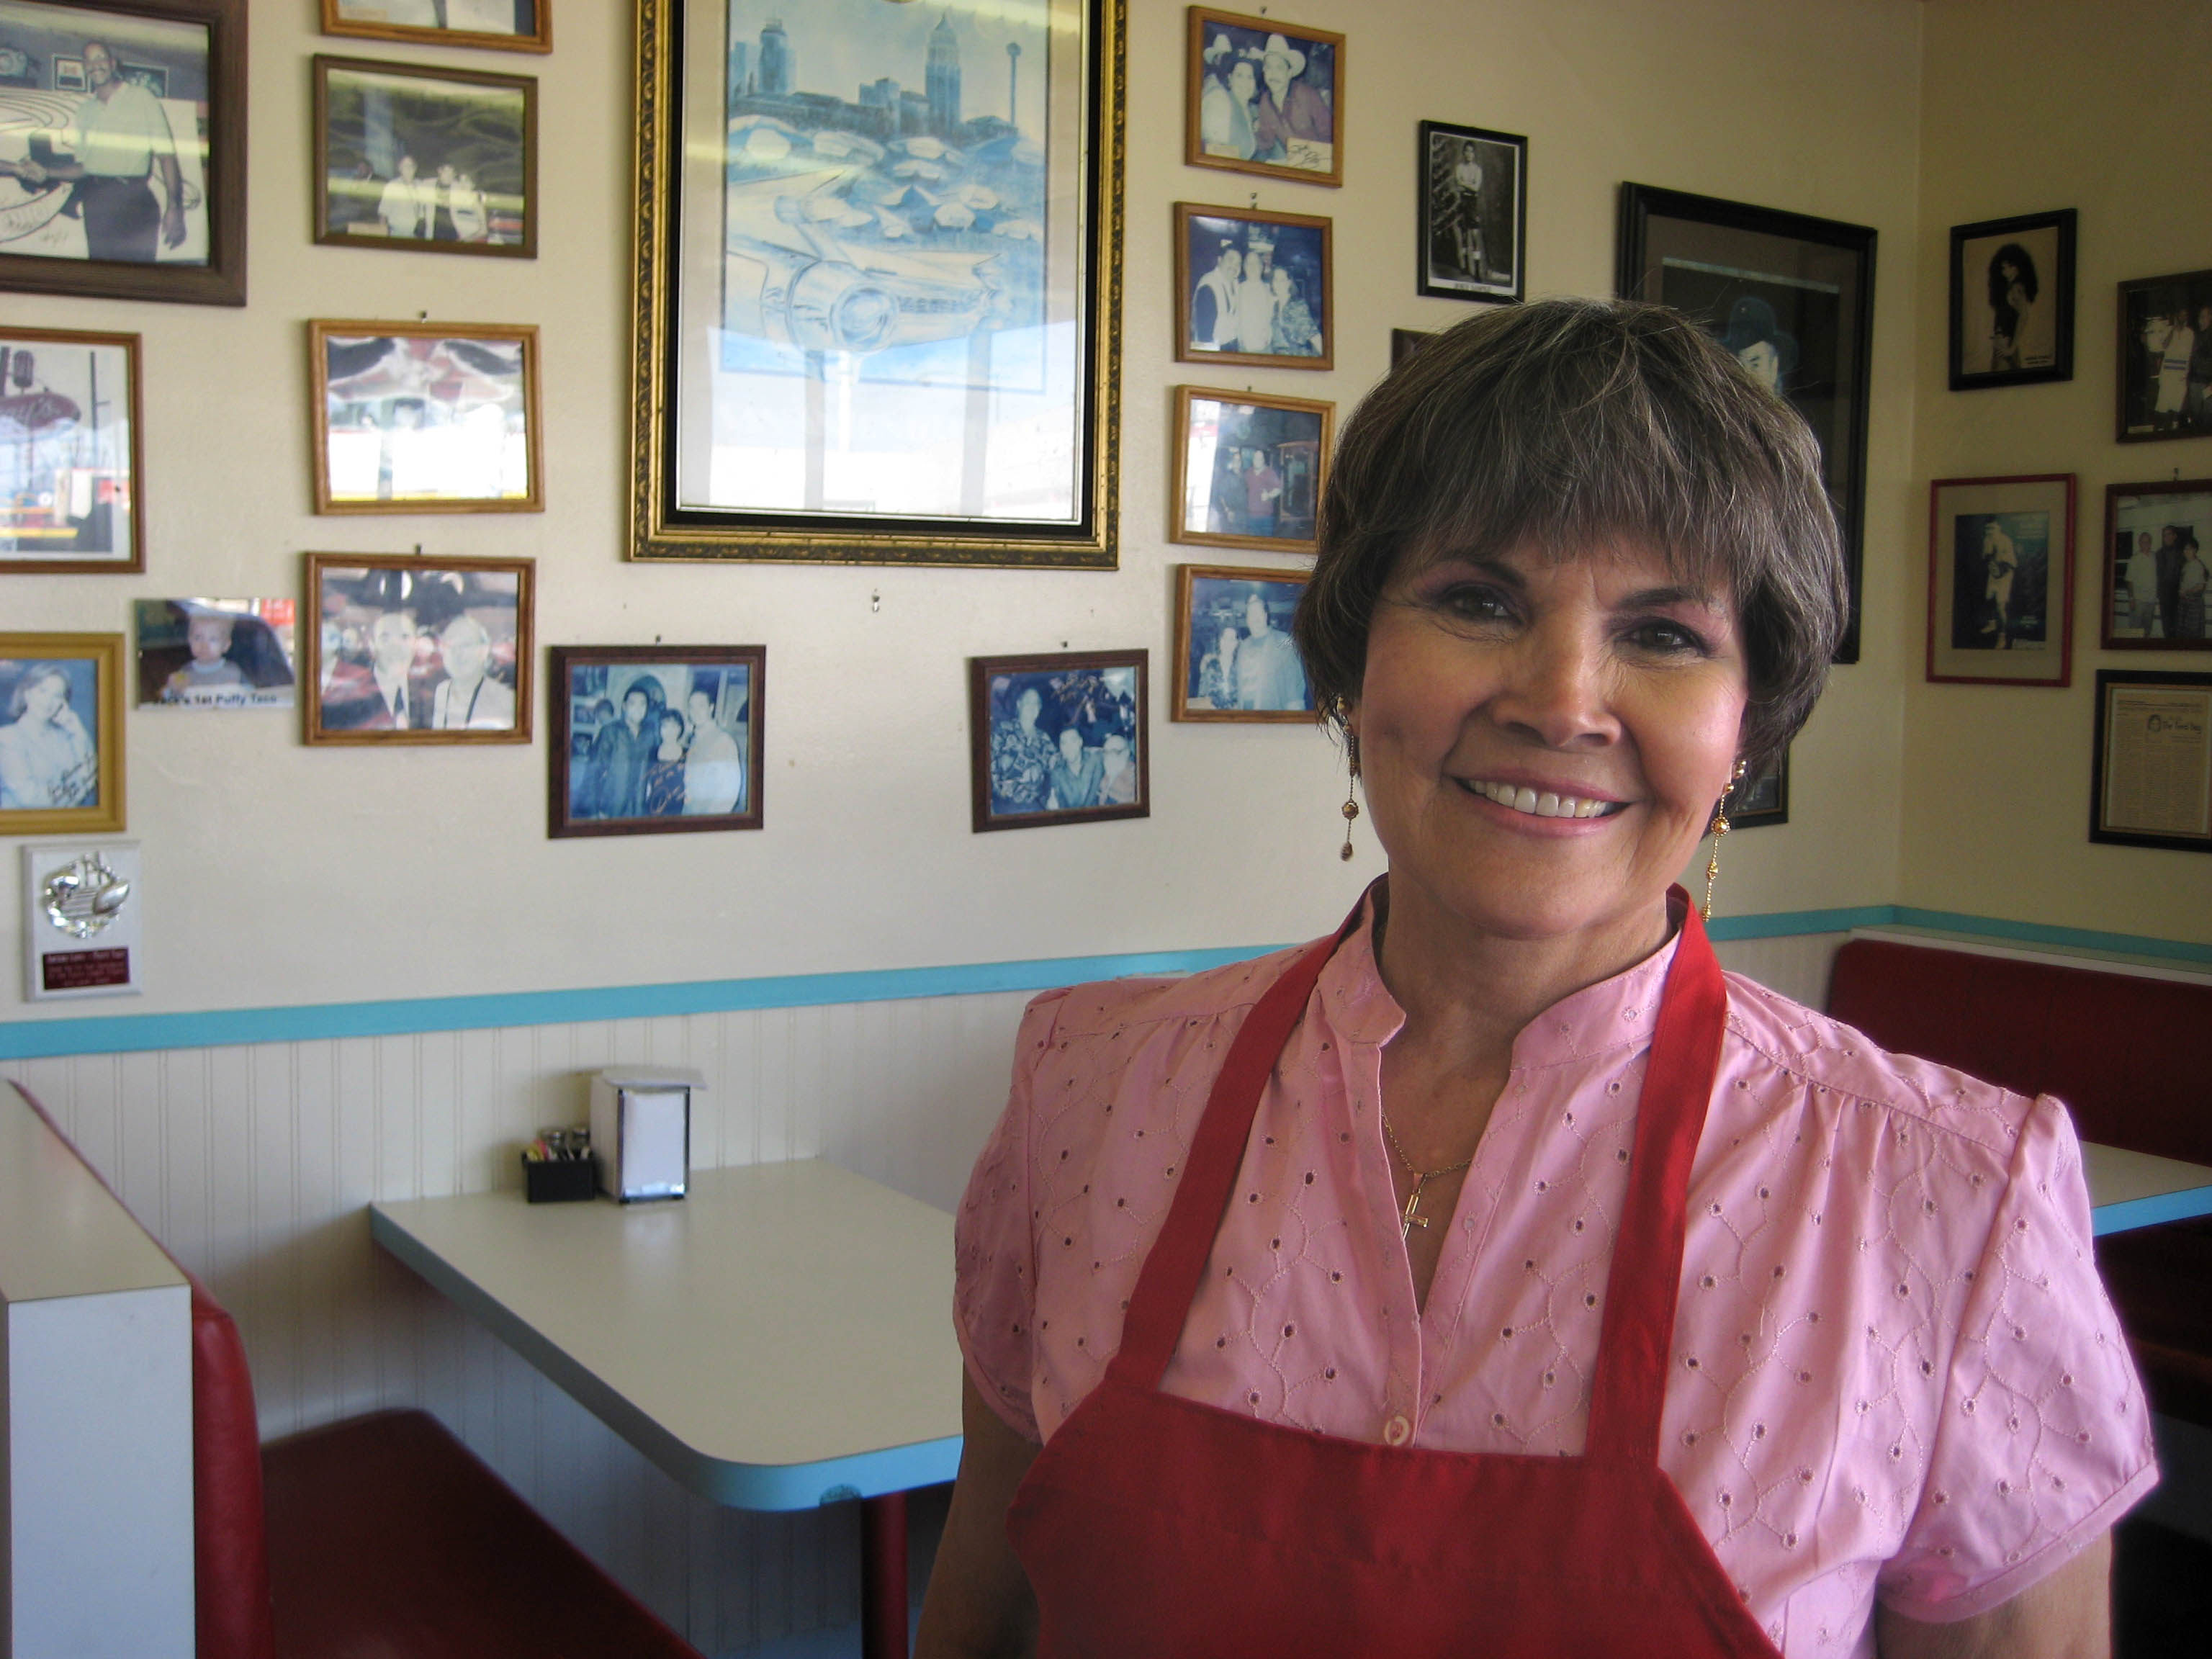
[
  {"x": 875, "y": 325},
  {"x": 1249, "y": 468},
  {"x": 1263, "y": 96},
  {"x": 1235, "y": 660},
  {"x": 426, "y": 417},
  {"x": 400, "y": 649},
  {"x": 77, "y": 504},
  {"x": 369, "y": 19},
  {"x": 61, "y": 733}
]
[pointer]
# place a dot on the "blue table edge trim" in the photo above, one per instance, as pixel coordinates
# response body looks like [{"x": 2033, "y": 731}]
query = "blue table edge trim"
[
  {"x": 51, "y": 1037},
  {"x": 760, "y": 1486},
  {"x": 2131, "y": 1214}
]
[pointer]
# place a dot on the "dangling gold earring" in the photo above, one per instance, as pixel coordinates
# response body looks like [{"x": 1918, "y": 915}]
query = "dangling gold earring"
[
  {"x": 1717, "y": 829},
  {"x": 1351, "y": 747}
]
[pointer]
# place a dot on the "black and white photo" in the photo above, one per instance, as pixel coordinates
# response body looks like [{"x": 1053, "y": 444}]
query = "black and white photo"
[
  {"x": 417, "y": 650},
  {"x": 1248, "y": 469},
  {"x": 2165, "y": 357},
  {"x": 1263, "y": 96},
  {"x": 655, "y": 739},
  {"x": 1474, "y": 212},
  {"x": 2158, "y": 542},
  {"x": 61, "y": 732},
  {"x": 2001, "y": 579},
  {"x": 1058, "y": 739},
  {"x": 1236, "y": 658},
  {"x": 2012, "y": 301},
  {"x": 424, "y": 418},
  {"x": 1252, "y": 288},
  {"x": 425, "y": 161},
  {"x": 71, "y": 483},
  {"x": 215, "y": 654}
]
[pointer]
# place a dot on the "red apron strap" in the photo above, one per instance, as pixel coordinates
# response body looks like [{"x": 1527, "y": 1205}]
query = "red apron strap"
[
  {"x": 1646, "y": 1278},
  {"x": 1169, "y": 1282}
]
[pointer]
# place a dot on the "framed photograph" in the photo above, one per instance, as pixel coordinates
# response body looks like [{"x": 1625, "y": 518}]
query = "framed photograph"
[
  {"x": 1762, "y": 799},
  {"x": 61, "y": 733},
  {"x": 1233, "y": 643},
  {"x": 2156, "y": 542},
  {"x": 2165, "y": 358},
  {"x": 122, "y": 149},
  {"x": 1264, "y": 97},
  {"x": 503, "y": 25},
  {"x": 2012, "y": 301},
  {"x": 2001, "y": 579},
  {"x": 425, "y": 161},
  {"x": 2151, "y": 769},
  {"x": 1474, "y": 212},
  {"x": 1254, "y": 288},
  {"x": 877, "y": 318},
  {"x": 1248, "y": 469},
  {"x": 215, "y": 654},
  {"x": 1792, "y": 296},
  {"x": 1059, "y": 739},
  {"x": 71, "y": 467},
  {"x": 416, "y": 650},
  {"x": 656, "y": 739},
  {"x": 427, "y": 417},
  {"x": 1404, "y": 342}
]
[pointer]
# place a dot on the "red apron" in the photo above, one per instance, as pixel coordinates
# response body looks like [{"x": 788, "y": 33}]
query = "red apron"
[{"x": 1154, "y": 1526}]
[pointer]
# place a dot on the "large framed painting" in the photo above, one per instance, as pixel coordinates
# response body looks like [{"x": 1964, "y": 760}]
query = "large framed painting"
[
  {"x": 61, "y": 733},
  {"x": 2012, "y": 301},
  {"x": 122, "y": 149},
  {"x": 2165, "y": 391},
  {"x": 72, "y": 477},
  {"x": 878, "y": 281},
  {"x": 500, "y": 25},
  {"x": 2157, "y": 549},
  {"x": 654, "y": 739},
  {"x": 1792, "y": 296},
  {"x": 2001, "y": 579},
  {"x": 1262, "y": 96}
]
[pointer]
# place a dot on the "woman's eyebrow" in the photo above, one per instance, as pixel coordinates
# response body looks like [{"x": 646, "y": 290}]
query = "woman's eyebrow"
[{"x": 1660, "y": 597}]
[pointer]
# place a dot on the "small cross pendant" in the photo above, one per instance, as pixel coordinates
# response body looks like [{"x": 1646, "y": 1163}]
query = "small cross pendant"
[{"x": 1410, "y": 1219}]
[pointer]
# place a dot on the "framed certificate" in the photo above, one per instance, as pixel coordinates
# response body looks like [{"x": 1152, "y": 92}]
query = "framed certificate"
[{"x": 2152, "y": 765}]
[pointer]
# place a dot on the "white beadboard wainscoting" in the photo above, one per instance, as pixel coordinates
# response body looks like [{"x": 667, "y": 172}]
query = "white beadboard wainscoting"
[{"x": 255, "y": 1164}]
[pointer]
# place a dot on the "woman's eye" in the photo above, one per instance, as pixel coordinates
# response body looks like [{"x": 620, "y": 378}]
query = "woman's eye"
[
  {"x": 1477, "y": 603},
  {"x": 1665, "y": 636}
]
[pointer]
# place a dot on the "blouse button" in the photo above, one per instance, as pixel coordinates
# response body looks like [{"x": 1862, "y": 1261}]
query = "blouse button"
[{"x": 1397, "y": 1431}]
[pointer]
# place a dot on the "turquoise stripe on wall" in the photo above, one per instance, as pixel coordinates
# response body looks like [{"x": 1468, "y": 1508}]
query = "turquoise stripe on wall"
[{"x": 39, "y": 1039}]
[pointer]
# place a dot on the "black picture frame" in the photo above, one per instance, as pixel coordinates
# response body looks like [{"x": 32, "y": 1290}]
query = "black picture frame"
[
  {"x": 2157, "y": 398},
  {"x": 2012, "y": 294},
  {"x": 2179, "y": 734},
  {"x": 220, "y": 280},
  {"x": 996, "y": 686},
  {"x": 733, "y": 680},
  {"x": 2154, "y": 531},
  {"x": 1761, "y": 801},
  {"x": 1458, "y": 220},
  {"x": 1747, "y": 273}
]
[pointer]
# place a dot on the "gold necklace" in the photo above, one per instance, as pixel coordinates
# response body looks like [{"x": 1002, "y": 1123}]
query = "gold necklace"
[{"x": 1409, "y": 1220}]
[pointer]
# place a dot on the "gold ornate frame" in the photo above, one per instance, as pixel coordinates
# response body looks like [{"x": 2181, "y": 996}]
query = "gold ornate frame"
[
  {"x": 658, "y": 531},
  {"x": 105, "y": 652}
]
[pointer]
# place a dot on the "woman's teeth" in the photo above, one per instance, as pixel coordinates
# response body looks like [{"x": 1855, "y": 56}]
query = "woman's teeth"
[{"x": 1543, "y": 803}]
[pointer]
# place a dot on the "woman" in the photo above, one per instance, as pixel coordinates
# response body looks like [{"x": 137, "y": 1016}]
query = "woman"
[
  {"x": 1384, "y": 1383},
  {"x": 1224, "y": 107},
  {"x": 1021, "y": 755},
  {"x": 663, "y": 786},
  {"x": 1296, "y": 334},
  {"x": 47, "y": 758},
  {"x": 2191, "y": 625},
  {"x": 1256, "y": 306},
  {"x": 2012, "y": 294},
  {"x": 1216, "y": 673}
]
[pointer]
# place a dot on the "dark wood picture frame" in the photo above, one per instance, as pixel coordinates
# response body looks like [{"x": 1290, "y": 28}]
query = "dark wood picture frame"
[
  {"x": 222, "y": 280},
  {"x": 2137, "y": 415},
  {"x": 562, "y": 821},
  {"x": 540, "y": 39},
  {"x": 1082, "y": 173},
  {"x": 1316, "y": 480},
  {"x": 1182, "y": 707},
  {"x": 1185, "y": 213},
  {"x": 322, "y": 331},
  {"x": 2053, "y": 287},
  {"x": 1404, "y": 342},
  {"x": 2192, "y": 731},
  {"x": 410, "y": 575},
  {"x": 1652, "y": 219},
  {"x": 1205, "y": 25},
  {"x": 108, "y": 654},
  {"x": 1743, "y": 816},
  {"x": 983, "y": 817},
  {"x": 2050, "y": 492},
  {"x": 1437, "y": 213},
  {"x": 133, "y": 562},
  {"x": 330, "y": 235},
  {"x": 2168, "y": 605}
]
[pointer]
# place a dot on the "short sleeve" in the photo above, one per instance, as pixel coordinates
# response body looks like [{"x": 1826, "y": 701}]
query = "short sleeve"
[
  {"x": 995, "y": 1253},
  {"x": 2045, "y": 1438}
]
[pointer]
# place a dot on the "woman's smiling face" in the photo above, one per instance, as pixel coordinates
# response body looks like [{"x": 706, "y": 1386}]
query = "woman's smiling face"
[{"x": 1541, "y": 743}]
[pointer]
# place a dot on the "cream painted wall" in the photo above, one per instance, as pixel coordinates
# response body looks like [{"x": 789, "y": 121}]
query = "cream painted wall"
[
  {"x": 2032, "y": 104},
  {"x": 278, "y": 874}
]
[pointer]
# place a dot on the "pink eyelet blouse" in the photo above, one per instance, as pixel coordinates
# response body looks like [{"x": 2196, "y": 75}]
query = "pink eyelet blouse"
[{"x": 1897, "y": 1373}]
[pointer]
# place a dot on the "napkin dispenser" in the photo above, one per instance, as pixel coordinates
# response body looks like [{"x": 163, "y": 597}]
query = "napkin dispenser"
[{"x": 642, "y": 1130}]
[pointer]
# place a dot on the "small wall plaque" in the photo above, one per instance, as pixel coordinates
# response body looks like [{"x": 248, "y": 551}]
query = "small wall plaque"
[{"x": 81, "y": 920}]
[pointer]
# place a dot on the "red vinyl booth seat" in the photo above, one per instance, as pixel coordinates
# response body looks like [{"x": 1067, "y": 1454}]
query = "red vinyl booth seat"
[
  {"x": 381, "y": 1537},
  {"x": 2132, "y": 1058}
]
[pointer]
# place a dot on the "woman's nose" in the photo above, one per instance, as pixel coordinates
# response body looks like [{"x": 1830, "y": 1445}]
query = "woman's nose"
[{"x": 1557, "y": 688}]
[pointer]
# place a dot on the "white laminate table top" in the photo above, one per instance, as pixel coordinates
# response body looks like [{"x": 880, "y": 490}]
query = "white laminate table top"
[
  {"x": 2129, "y": 1189},
  {"x": 781, "y": 1337}
]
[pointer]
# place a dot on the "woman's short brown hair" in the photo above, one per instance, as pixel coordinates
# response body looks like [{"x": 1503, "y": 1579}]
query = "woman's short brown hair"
[{"x": 1567, "y": 423}]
